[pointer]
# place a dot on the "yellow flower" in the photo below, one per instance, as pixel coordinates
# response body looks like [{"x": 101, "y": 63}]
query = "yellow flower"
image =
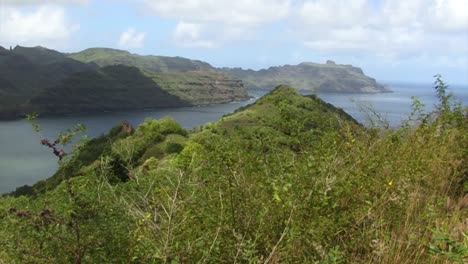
[{"x": 390, "y": 183}]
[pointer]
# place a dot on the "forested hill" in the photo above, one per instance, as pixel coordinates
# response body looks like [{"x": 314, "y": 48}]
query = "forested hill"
[
  {"x": 35, "y": 79},
  {"x": 49, "y": 82},
  {"x": 328, "y": 77},
  {"x": 107, "y": 57},
  {"x": 193, "y": 81},
  {"x": 26, "y": 72},
  {"x": 287, "y": 179}
]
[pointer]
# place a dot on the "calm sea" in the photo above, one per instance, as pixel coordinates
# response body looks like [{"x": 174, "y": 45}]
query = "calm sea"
[{"x": 24, "y": 161}]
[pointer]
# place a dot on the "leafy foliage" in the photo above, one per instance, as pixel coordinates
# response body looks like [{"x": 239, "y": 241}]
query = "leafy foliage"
[{"x": 288, "y": 179}]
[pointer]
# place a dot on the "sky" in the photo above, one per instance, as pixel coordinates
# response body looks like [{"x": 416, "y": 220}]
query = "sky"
[{"x": 391, "y": 40}]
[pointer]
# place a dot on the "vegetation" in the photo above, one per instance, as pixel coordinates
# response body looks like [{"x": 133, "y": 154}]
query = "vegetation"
[
  {"x": 25, "y": 72},
  {"x": 193, "y": 81},
  {"x": 288, "y": 179},
  {"x": 107, "y": 57},
  {"x": 109, "y": 88}
]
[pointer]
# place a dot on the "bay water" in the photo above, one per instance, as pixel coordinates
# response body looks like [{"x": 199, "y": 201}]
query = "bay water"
[{"x": 24, "y": 161}]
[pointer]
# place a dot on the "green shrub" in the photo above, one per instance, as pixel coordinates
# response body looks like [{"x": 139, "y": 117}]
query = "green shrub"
[{"x": 289, "y": 179}]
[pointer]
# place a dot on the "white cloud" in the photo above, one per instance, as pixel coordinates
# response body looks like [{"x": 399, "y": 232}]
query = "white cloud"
[
  {"x": 131, "y": 39},
  {"x": 450, "y": 15},
  {"x": 386, "y": 27},
  {"x": 332, "y": 13},
  {"x": 189, "y": 35},
  {"x": 244, "y": 12},
  {"x": 391, "y": 28},
  {"x": 400, "y": 13},
  {"x": 217, "y": 21},
  {"x": 45, "y": 25}
]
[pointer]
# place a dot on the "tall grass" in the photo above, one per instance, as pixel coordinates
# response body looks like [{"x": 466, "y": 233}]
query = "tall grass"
[{"x": 286, "y": 180}]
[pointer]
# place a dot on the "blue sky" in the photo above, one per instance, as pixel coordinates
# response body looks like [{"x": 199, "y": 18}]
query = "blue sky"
[{"x": 392, "y": 40}]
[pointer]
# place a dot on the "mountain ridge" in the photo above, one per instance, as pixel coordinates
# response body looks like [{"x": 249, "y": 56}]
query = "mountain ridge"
[
  {"x": 30, "y": 77},
  {"x": 109, "y": 56},
  {"x": 27, "y": 74},
  {"x": 328, "y": 77}
]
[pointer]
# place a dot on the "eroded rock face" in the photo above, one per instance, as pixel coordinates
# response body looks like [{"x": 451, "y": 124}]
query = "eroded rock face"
[
  {"x": 203, "y": 87},
  {"x": 328, "y": 77}
]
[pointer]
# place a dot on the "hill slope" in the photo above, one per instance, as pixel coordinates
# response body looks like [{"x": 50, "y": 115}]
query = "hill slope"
[
  {"x": 329, "y": 77},
  {"x": 109, "y": 88},
  {"x": 278, "y": 112},
  {"x": 25, "y": 72},
  {"x": 194, "y": 81},
  {"x": 106, "y": 57},
  {"x": 38, "y": 79},
  {"x": 288, "y": 179}
]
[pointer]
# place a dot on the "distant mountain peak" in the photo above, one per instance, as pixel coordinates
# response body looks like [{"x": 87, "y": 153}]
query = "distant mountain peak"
[{"x": 323, "y": 77}]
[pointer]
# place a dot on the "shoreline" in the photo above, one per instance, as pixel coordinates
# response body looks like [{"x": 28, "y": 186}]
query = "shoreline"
[{"x": 14, "y": 118}]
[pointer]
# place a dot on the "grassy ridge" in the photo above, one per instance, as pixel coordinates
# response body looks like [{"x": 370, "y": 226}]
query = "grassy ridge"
[
  {"x": 288, "y": 179},
  {"x": 107, "y": 57},
  {"x": 193, "y": 81}
]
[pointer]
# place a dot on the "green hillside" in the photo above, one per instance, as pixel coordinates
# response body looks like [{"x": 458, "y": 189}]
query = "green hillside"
[
  {"x": 31, "y": 77},
  {"x": 41, "y": 55},
  {"x": 49, "y": 82},
  {"x": 288, "y": 179},
  {"x": 25, "y": 72},
  {"x": 329, "y": 77},
  {"x": 194, "y": 81},
  {"x": 109, "y": 88},
  {"x": 52, "y": 65}
]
